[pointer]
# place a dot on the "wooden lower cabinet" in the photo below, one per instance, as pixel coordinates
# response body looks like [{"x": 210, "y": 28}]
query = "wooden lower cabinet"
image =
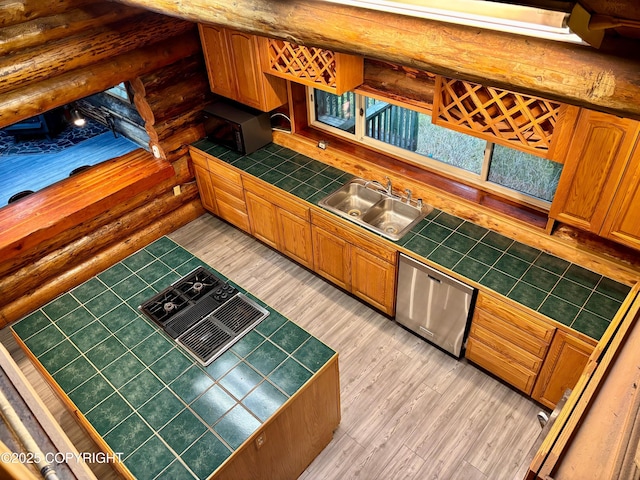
[
  {"x": 525, "y": 351},
  {"x": 508, "y": 342},
  {"x": 262, "y": 217},
  {"x": 221, "y": 190},
  {"x": 332, "y": 257},
  {"x": 361, "y": 266},
  {"x": 295, "y": 237},
  {"x": 205, "y": 186},
  {"x": 372, "y": 279},
  {"x": 279, "y": 221},
  {"x": 562, "y": 368}
]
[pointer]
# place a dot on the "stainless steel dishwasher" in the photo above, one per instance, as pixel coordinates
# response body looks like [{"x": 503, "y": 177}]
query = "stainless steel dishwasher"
[{"x": 434, "y": 305}]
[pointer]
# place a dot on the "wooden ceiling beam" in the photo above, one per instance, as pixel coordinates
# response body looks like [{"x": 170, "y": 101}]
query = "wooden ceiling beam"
[{"x": 569, "y": 73}]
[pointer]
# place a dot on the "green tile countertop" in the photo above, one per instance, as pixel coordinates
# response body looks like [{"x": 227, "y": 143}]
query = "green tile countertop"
[
  {"x": 149, "y": 400},
  {"x": 572, "y": 295}
]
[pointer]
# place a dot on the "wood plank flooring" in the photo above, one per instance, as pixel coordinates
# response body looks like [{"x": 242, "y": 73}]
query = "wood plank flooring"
[{"x": 409, "y": 411}]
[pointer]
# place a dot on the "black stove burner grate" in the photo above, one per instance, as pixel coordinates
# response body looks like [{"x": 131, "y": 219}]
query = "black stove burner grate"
[
  {"x": 237, "y": 314},
  {"x": 204, "y": 314},
  {"x": 216, "y": 333},
  {"x": 205, "y": 339},
  {"x": 165, "y": 305},
  {"x": 198, "y": 283}
]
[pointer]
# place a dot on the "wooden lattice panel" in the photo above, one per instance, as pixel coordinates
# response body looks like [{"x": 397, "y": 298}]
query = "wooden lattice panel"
[
  {"x": 523, "y": 122},
  {"x": 307, "y": 63},
  {"x": 313, "y": 66}
]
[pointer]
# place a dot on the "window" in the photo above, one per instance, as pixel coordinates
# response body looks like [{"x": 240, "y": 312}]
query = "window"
[
  {"x": 409, "y": 133},
  {"x": 119, "y": 91}
]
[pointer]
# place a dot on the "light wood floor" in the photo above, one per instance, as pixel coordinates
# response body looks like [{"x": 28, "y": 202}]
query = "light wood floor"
[{"x": 409, "y": 411}]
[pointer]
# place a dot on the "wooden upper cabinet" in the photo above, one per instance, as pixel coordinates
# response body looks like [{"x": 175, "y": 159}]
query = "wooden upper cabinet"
[
  {"x": 234, "y": 67},
  {"x": 312, "y": 66},
  {"x": 217, "y": 59},
  {"x": 593, "y": 170},
  {"x": 623, "y": 222},
  {"x": 530, "y": 124}
]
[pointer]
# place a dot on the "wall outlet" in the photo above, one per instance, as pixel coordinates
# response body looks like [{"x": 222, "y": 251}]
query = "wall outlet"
[
  {"x": 177, "y": 190},
  {"x": 323, "y": 144}
]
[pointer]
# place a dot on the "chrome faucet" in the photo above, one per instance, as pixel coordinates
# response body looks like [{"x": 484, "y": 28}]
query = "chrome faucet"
[
  {"x": 389, "y": 187},
  {"x": 408, "y": 192}
]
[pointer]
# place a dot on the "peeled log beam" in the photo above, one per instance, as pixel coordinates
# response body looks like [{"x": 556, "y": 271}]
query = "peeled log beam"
[
  {"x": 402, "y": 84},
  {"x": 171, "y": 127},
  {"x": 93, "y": 265},
  {"x": 34, "y": 99},
  {"x": 169, "y": 147},
  {"x": 52, "y": 59},
  {"x": 13, "y": 12},
  {"x": 47, "y": 29},
  {"x": 54, "y": 264},
  {"x": 172, "y": 101},
  {"x": 192, "y": 66},
  {"x": 568, "y": 73}
]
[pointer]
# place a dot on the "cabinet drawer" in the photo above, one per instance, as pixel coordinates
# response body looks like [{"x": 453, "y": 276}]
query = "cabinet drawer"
[
  {"x": 516, "y": 336},
  {"x": 222, "y": 185},
  {"x": 237, "y": 217},
  {"x": 273, "y": 195},
  {"x": 199, "y": 159},
  {"x": 506, "y": 348},
  {"x": 221, "y": 169},
  {"x": 496, "y": 363},
  {"x": 515, "y": 318},
  {"x": 231, "y": 200}
]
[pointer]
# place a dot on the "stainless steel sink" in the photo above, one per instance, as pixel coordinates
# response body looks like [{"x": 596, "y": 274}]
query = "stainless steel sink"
[
  {"x": 369, "y": 205},
  {"x": 353, "y": 199}
]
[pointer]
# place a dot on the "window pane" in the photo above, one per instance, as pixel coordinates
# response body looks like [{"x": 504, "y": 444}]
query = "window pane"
[
  {"x": 526, "y": 173},
  {"x": 336, "y": 111},
  {"x": 451, "y": 147},
  {"x": 414, "y": 131}
]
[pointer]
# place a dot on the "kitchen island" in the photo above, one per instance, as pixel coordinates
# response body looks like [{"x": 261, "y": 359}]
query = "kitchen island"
[{"x": 274, "y": 393}]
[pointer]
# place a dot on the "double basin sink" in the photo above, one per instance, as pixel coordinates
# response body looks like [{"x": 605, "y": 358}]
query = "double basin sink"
[{"x": 370, "y": 205}]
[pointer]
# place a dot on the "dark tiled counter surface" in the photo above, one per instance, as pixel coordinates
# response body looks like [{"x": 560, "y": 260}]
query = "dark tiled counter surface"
[
  {"x": 574, "y": 296},
  {"x": 169, "y": 416}
]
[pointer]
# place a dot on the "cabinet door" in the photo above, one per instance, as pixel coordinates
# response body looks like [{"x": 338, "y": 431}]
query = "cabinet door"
[
  {"x": 245, "y": 64},
  {"x": 373, "y": 280},
  {"x": 561, "y": 369},
  {"x": 262, "y": 217},
  {"x": 205, "y": 186},
  {"x": 623, "y": 224},
  {"x": 593, "y": 168},
  {"x": 218, "y": 60},
  {"x": 295, "y": 237},
  {"x": 332, "y": 257}
]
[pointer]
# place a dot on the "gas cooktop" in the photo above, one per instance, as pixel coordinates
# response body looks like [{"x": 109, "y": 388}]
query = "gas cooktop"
[{"x": 203, "y": 313}]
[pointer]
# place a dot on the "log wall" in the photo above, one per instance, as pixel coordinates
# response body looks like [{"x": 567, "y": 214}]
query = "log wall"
[{"x": 53, "y": 53}]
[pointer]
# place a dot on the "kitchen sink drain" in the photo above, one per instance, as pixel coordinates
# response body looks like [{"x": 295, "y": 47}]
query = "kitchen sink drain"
[{"x": 354, "y": 212}]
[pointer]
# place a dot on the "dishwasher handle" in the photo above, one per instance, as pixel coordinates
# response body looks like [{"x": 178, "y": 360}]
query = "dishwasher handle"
[{"x": 434, "y": 274}]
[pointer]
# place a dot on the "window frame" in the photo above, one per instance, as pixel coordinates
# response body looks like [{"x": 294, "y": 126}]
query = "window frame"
[{"x": 479, "y": 180}]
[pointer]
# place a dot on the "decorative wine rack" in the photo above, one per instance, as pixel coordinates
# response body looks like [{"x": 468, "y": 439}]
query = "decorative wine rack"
[{"x": 330, "y": 71}]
